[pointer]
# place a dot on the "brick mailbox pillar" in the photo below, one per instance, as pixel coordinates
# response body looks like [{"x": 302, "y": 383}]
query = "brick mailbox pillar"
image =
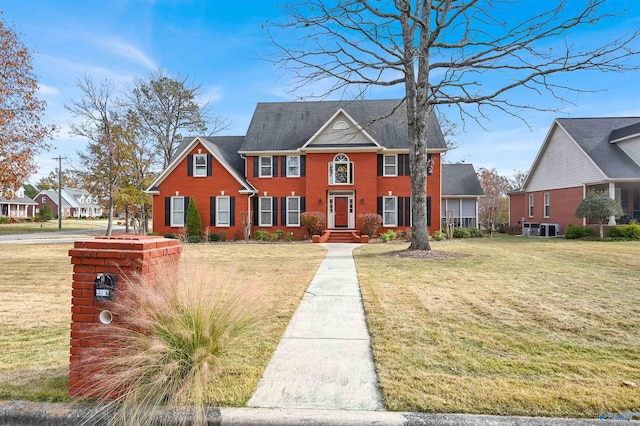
[{"x": 121, "y": 256}]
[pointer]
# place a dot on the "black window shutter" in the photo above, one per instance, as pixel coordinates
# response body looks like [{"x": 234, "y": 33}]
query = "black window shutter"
[
  {"x": 407, "y": 165},
  {"x": 274, "y": 213},
  {"x": 407, "y": 211},
  {"x": 212, "y": 214},
  {"x": 167, "y": 211},
  {"x": 400, "y": 212},
  {"x": 380, "y": 164},
  {"x": 255, "y": 211},
  {"x": 303, "y": 165},
  {"x": 274, "y": 166},
  {"x": 400, "y": 163},
  {"x": 232, "y": 211},
  {"x": 189, "y": 165},
  {"x": 353, "y": 178},
  {"x": 256, "y": 161},
  {"x": 380, "y": 206},
  {"x": 186, "y": 207},
  {"x": 428, "y": 211},
  {"x": 209, "y": 165},
  {"x": 303, "y": 204},
  {"x": 283, "y": 211},
  {"x": 284, "y": 166}
]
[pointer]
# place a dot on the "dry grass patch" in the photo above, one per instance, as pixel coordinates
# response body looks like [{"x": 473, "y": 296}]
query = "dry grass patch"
[
  {"x": 517, "y": 327},
  {"x": 51, "y": 226},
  {"x": 35, "y": 297}
]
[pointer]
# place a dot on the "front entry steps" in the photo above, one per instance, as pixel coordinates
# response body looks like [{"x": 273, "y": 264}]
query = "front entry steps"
[{"x": 341, "y": 236}]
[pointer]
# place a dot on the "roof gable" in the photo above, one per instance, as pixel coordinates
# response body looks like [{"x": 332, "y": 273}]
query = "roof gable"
[
  {"x": 460, "y": 180},
  {"x": 343, "y": 132}
]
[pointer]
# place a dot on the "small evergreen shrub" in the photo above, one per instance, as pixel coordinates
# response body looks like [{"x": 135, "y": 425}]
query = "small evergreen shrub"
[
  {"x": 289, "y": 237},
  {"x": 46, "y": 213},
  {"x": 194, "y": 221},
  {"x": 153, "y": 234},
  {"x": 369, "y": 223},
  {"x": 4, "y": 220},
  {"x": 627, "y": 232},
  {"x": 314, "y": 222},
  {"x": 215, "y": 237},
  {"x": 388, "y": 236},
  {"x": 261, "y": 235},
  {"x": 439, "y": 235},
  {"x": 192, "y": 239},
  {"x": 172, "y": 236},
  {"x": 476, "y": 233},
  {"x": 461, "y": 233},
  {"x": 574, "y": 232}
]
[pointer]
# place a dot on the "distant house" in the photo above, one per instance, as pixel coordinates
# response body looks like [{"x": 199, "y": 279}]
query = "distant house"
[
  {"x": 579, "y": 155},
  {"x": 78, "y": 203},
  {"x": 18, "y": 206},
  {"x": 461, "y": 191},
  {"x": 340, "y": 158}
]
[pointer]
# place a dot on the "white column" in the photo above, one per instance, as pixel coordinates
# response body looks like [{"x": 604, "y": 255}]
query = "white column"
[{"x": 612, "y": 195}]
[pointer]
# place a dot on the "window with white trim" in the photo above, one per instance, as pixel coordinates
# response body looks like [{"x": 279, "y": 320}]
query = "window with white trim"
[
  {"x": 390, "y": 165},
  {"x": 531, "y": 205},
  {"x": 266, "y": 166},
  {"x": 177, "y": 211},
  {"x": 293, "y": 166},
  {"x": 200, "y": 165},
  {"x": 293, "y": 211},
  {"x": 44, "y": 199},
  {"x": 390, "y": 211},
  {"x": 223, "y": 211},
  {"x": 547, "y": 204},
  {"x": 341, "y": 170},
  {"x": 265, "y": 211}
]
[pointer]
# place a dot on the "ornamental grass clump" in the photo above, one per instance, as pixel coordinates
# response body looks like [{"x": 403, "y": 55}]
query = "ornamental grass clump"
[{"x": 168, "y": 339}]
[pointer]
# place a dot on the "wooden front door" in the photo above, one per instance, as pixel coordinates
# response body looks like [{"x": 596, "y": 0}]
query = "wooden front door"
[{"x": 341, "y": 212}]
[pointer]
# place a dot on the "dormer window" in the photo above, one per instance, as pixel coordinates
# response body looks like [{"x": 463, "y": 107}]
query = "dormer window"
[
  {"x": 89, "y": 199},
  {"x": 82, "y": 199},
  {"x": 341, "y": 170},
  {"x": 95, "y": 200}
]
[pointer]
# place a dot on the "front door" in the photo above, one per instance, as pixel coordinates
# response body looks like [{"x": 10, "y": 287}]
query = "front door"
[{"x": 341, "y": 216}]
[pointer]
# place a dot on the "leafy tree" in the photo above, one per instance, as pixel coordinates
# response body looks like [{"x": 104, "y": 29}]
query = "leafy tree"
[
  {"x": 70, "y": 179},
  {"x": 493, "y": 207},
  {"x": 22, "y": 133},
  {"x": 46, "y": 213},
  {"x": 166, "y": 106},
  {"x": 193, "y": 220},
  {"x": 598, "y": 206},
  {"x": 29, "y": 190},
  {"x": 445, "y": 52}
]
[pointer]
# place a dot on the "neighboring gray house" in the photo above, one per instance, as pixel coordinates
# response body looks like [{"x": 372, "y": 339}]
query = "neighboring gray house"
[
  {"x": 18, "y": 206},
  {"x": 461, "y": 190},
  {"x": 75, "y": 202}
]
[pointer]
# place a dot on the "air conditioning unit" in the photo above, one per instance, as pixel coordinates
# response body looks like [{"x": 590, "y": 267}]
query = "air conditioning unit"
[
  {"x": 549, "y": 229},
  {"x": 531, "y": 229}
]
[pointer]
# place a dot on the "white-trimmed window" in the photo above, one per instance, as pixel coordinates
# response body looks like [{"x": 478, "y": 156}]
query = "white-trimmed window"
[
  {"x": 265, "y": 211},
  {"x": 341, "y": 170},
  {"x": 293, "y": 166},
  {"x": 266, "y": 166},
  {"x": 547, "y": 204},
  {"x": 223, "y": 211},
  {"x": 390, "y": 211},
  {"x": 390, "y": 165},
  {"x": 531, "y": 211},
  {"x": 44, "y": 199},
  {"x": 200, "y": 165},
  {"x": 177, "y": 211},
  {"x": 293, "y": 211},
  {"x": 89, "y": 199}
]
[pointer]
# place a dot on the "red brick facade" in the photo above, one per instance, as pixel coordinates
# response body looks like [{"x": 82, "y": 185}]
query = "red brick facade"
[
  {"x": 147, "y": 257},
  {"x": 562, "y": 207}
]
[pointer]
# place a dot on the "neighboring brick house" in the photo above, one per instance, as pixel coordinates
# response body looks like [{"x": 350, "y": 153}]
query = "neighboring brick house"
[
  {"x": 342, "y": 158},
  {"x": 77, "y": 203},
  {"x": 461, "y": 191},
  {"x": 17, "y": 206},
  {"x": 579, "y": 155}
]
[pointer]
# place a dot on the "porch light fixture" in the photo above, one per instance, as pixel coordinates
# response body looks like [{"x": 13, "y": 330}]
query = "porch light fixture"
[
  {"x": 293, "y": 193},
  {"x": 390, "y": 192},
  {"x": 221, "y": 192},
  {"x": 177, "y": 193},
  {"x": 361, "y": 200},
  {"x": 265, "y": 193}
]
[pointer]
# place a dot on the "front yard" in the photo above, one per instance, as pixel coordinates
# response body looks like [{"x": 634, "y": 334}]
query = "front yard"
[{"x": 518, "y": 327}]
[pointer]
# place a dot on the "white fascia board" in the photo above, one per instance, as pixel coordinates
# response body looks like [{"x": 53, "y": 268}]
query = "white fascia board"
[{"x": 353, "y": 123}]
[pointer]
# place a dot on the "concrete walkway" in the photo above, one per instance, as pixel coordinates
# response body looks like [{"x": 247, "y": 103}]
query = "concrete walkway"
[{"x": 324, "y": 359}]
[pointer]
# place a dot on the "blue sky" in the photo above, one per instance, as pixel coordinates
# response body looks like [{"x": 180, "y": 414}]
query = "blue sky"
[{"x": 218, "y": 44}]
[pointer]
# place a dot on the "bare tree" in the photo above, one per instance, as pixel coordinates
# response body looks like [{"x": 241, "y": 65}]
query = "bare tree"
[
  {"x": 96, "y": 111},
  {"x": 517, "y": 181},
  {"x": 467, "y": 53},
  {"x": 493, "y": 207},
  {"x": 166, "y": 106},
  {"x": 22, "y": 133}
]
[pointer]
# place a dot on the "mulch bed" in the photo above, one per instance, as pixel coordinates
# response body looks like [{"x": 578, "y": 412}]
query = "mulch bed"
[{"x": 426, "y": 254}]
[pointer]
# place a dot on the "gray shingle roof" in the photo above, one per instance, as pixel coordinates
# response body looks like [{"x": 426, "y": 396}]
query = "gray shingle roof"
[
  {"x": 287, "y": 126},
  {"x": 593, "y": 136},
  {"x": 460, "y": 179},
  {"x": 227, "y": 148}
]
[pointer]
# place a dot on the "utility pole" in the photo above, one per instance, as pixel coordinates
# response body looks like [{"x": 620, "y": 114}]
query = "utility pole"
[{"x": 60, "y": 190}]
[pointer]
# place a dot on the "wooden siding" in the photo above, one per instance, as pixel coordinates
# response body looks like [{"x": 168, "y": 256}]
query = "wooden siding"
[
  {"x": 632, "y": 148},
  {"x": 346, "y": 137},
  {"x": 562, "y": 164}
]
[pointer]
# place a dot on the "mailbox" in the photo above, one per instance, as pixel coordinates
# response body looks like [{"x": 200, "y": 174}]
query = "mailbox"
[{"x": 104, "y": 287}]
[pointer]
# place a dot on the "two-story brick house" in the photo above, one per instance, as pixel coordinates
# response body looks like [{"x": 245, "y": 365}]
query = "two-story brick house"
[{"x": 341, "y": 158}]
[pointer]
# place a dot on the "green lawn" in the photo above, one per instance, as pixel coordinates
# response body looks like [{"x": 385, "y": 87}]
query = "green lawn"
[
  {"x": 51, "y": 226},
  {"x": 518, "y": 327}
]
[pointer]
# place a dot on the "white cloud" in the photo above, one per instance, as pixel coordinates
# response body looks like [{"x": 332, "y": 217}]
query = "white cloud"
[
  {"x": 126, "y": 50},
  {"x": 45, "y": 90},
  {"x": 210, "y": 94}
]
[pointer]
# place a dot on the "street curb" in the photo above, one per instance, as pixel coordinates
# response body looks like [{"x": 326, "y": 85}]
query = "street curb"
[{"x": 22, "y": 413}]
